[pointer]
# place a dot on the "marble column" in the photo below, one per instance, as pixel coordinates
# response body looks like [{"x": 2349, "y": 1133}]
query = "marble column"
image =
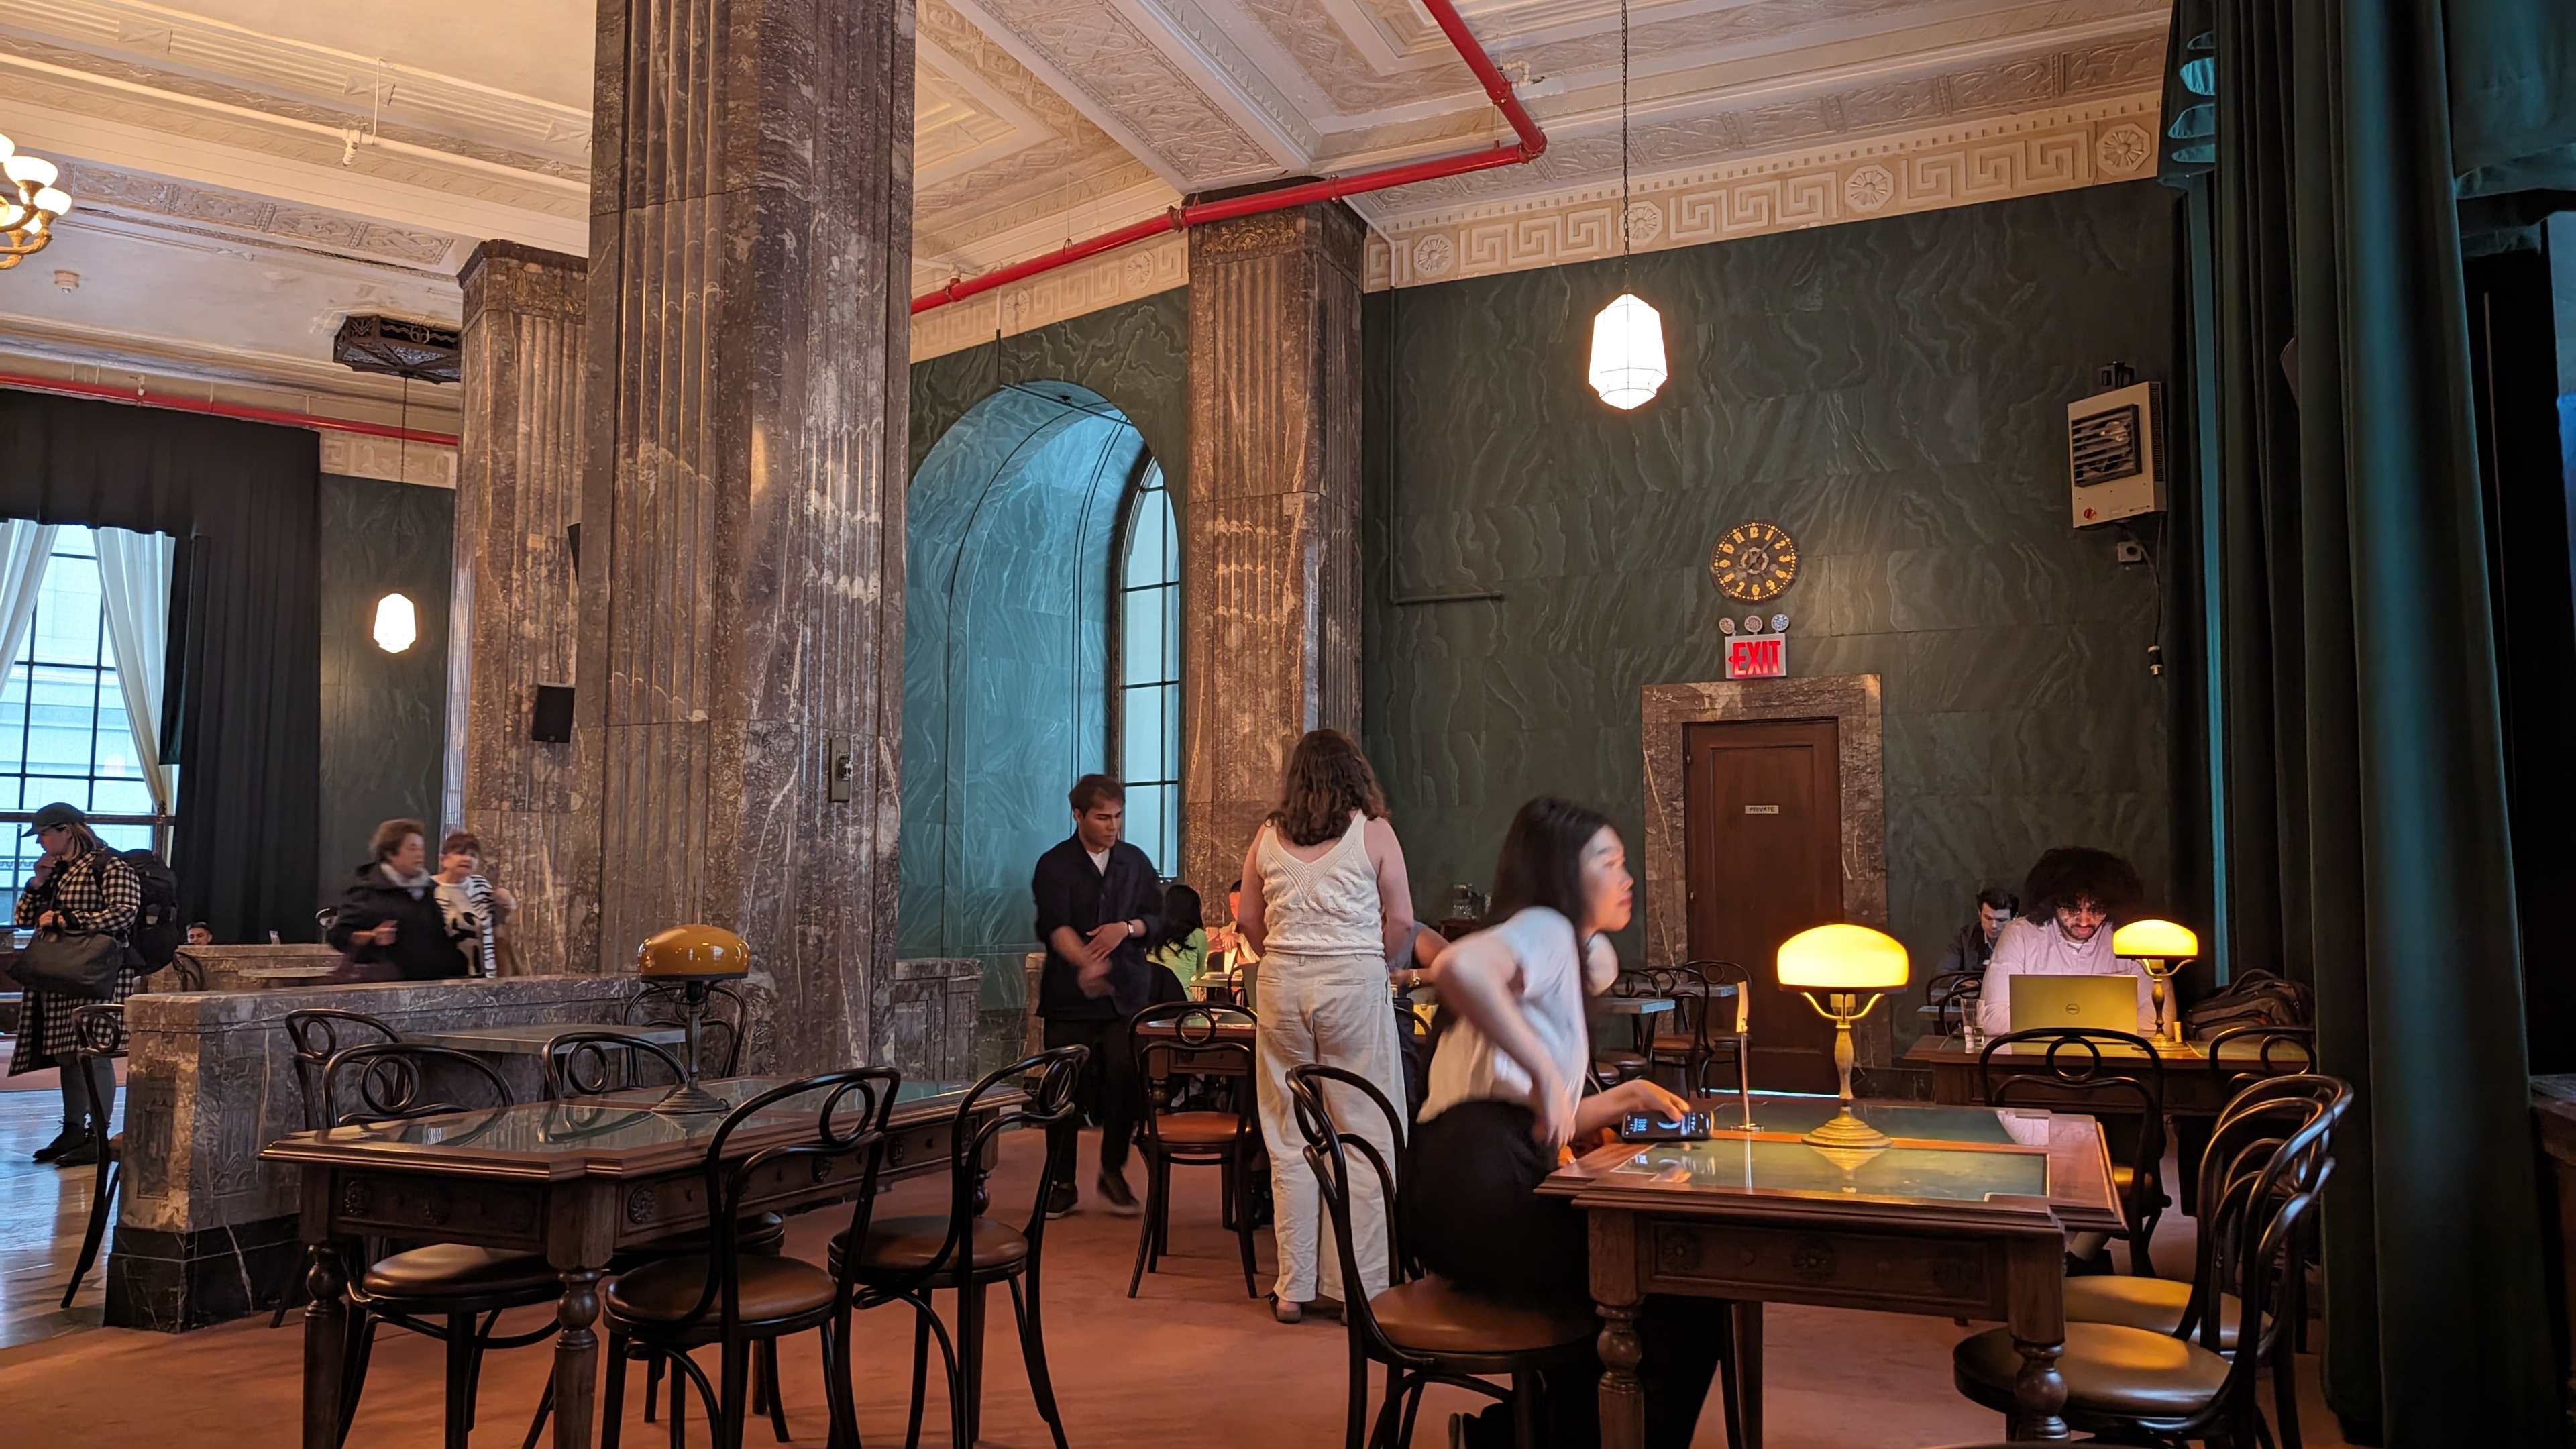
[
  {"x": 1270, "y": 556},
  {"x": 741, "y": 643},
  {"x": 513, "y": 611}
]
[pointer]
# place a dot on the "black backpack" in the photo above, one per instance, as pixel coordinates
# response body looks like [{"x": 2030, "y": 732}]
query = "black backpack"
[{"x": 157, "y": 932}]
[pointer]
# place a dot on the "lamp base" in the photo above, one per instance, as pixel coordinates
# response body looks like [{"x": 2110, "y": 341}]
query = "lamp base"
[
  {"x": 1848, "y": 1131},
  {"x": 690, "y": 1099}
]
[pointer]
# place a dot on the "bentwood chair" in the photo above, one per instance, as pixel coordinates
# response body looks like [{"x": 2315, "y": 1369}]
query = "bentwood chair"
[
  {"x": 737, "y": 1298},
  {"x": 98, "y": 1035},
  {"x": 2197, "y": 1379},
  {"x": 313, "y": 1035},
  {"x": 720, "y": 1032},
  {"x": 906, "y": 1259},
  {"x": 2278, "y": 1051},
  {"x": 1424, "y": 1329},
  {"x": 2122, "y": 1087},
  {"x": 1953, "y": 996},
  {"x": 591, "y": 1063},
  {"x": 1227, "y": 1141},
  {"x": 437, "y": 1291},
  {"x": 1701, "y": 1030}
]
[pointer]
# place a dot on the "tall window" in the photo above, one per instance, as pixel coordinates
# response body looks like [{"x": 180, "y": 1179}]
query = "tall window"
[
  {"x": 1148, "y": 730},
  {"x": 63, "y": 731}
]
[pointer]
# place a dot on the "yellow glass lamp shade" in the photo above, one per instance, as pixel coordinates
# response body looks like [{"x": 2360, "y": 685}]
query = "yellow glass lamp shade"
[
  {"x": 1843, "y": 958},
  {"x": 692, "y": 953},
  {"x": 2154, "y": 941}
]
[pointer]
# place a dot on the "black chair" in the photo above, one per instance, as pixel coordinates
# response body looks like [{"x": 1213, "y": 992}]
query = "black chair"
[
  {"x": 314, "y": 1034},
  {"x": 1691, "y": 1042},
  {"x": 2278, "y": 1051},
  {"x": 98, "y": 1039},
  {"x": 733, "y": 1295},
  {"x": 586, "y": 1062},
  {"x": 1953, "y": 995},
  {"x": 437, "y": 1291},
  {"x": 1425, "y": 1330},
  {"x": 720, "y": 1032},
  {"x": 906, "y": 1259},
  {"x": 1229, "y": 1141},
  {"x": 2123, "y": 1089},
  {"x": 190, "y": 971},
  {"x": 2197, "y": 1380}
]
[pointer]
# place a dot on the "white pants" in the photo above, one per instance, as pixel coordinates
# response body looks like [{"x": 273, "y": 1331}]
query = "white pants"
[{"x": 1334, "y": 1010}]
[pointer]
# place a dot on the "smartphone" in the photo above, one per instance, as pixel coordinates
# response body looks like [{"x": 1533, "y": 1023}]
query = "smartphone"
[{"x": 1647, "y": 1127}]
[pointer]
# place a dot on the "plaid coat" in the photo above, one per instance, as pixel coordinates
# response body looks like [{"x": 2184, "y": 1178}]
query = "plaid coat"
[{"x": 96, "y": 891}]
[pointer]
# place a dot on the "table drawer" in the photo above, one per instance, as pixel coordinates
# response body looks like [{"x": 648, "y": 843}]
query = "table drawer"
[{"x": 1903, "y": 1273}]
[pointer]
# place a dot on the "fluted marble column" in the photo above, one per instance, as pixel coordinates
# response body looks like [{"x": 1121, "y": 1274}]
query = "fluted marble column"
[
  {"x": 742, "y": 624},
  {"x": 1271, "y": 551},
  {"x": 513, "y": 611}
]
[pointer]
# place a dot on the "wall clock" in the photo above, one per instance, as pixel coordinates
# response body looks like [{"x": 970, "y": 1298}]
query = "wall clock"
[{"x": 1754, "y": 561}]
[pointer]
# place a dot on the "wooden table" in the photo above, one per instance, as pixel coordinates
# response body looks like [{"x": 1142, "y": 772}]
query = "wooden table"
[
  {"x": 574, "y": 1180},
  {"x": 530, "y": 1038},
  {"x": 1966, "y": 1216},
  {"x": 1177, "y": 1035}
]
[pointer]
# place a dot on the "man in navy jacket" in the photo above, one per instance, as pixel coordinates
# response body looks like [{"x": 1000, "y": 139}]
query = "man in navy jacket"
[{"x": 1097, "y": 901}]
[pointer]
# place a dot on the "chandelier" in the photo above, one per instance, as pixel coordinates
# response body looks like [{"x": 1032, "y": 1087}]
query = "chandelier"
[
  {"x": 1628, "y": 336},
  {"x": 27, "y": 218}
]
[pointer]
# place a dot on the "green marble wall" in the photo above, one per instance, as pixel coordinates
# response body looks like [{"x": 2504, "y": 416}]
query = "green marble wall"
[
  {"x": 1893, "y": 392},
  {"x": 384, "y": 716}
]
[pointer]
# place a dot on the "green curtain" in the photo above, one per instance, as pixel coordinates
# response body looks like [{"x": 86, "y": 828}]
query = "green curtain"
[
  {"x": 2511, "y": 65},
  {"x": 2366, "y": 838}
]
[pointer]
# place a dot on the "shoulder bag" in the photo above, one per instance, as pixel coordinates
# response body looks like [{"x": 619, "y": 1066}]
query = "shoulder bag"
[{"x": 70, "y": 963}]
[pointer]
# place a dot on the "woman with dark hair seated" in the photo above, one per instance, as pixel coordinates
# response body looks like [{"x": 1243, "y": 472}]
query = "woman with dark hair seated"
[
  {"x": 2077, "y": 898},
  {"x": 1506, "y": 1094}
]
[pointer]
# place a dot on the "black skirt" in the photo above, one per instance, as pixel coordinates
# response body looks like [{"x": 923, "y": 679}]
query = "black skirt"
[{"x": 1473, "y": 1215}]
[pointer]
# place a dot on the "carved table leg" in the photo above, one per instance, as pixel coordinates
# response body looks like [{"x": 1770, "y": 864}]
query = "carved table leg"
[
  {"x": 1623, "y": 1397},
  {"x": 577, "y": 1358},
  {"x": 326, "y": 1344},
  {"x": 1748, "y": 1368},
  {"x": 2038, "y": 1303}
]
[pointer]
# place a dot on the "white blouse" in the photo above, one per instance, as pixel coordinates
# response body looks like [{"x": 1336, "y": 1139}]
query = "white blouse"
[{"x": 1555, "y": 976}]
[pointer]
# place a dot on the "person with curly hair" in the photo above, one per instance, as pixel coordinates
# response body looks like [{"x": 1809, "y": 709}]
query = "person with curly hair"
[{"x": 2076, "y": 898}]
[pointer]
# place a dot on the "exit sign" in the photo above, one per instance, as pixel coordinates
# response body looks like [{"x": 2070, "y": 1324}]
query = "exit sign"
[{"x": 1763, "y": 656}]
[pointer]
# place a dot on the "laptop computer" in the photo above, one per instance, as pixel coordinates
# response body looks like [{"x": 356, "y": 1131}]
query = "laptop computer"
[{"x": 2096, "y": 1003}]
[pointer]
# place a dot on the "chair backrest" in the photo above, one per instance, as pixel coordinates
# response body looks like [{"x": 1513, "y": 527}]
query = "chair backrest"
[
  {"x": 2269, "y": 1158},
  {"x": 2278, "y": 1051},
  {"x": 593, "y": 1063},
  {"x": 98, "y": 1030},
  {"x": 1194, "y": 1026},
  {"x": 1049, "y": 1100},
  {"x": 2075, "y": 1074},
  {"x": 1330, "y": 1144},
  {"x": 395, "y": 1081},
  {"x": 720, "y": 1031},
  {"x": 847, "y": 1140},
  {"x": 1952, "y": 995},
  {"x": 317, "y": 1033},
  {"x": 191, "y": 971}
]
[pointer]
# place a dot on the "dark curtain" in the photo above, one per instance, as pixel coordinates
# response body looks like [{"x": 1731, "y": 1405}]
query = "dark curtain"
[
  {"x": 242, "y": 716},
  {"x": 2366, "y": 823}
]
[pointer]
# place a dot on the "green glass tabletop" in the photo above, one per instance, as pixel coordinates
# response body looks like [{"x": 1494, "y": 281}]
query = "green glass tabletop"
[
  {"x": 1905, "y": 1121},
  {"x": 619, "y": 1122},
  {"x": 1759, "y": 1165}
]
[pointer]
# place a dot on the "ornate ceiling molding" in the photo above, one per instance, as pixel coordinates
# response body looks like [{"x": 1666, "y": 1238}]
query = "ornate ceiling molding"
[
  {"x": 1988, "y": 159},
  {"x": 1104, "y": 281},
  {"x": 313, "y": 230}
]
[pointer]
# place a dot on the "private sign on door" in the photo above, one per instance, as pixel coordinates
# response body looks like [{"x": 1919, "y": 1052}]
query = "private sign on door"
[{"x": 1759, "y": 656}]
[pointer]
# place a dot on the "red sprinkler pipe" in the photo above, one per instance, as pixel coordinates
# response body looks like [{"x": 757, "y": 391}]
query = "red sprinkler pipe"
[
  {"x": 114, "y": 393},
  {"x": 1532, "y": 143}
]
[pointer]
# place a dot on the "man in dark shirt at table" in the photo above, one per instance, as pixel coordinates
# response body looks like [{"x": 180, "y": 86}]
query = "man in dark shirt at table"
[{"x": 1097, "y": 900}]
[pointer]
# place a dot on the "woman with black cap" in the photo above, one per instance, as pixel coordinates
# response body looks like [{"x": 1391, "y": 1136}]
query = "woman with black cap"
[{"x": 78, "y": 885}]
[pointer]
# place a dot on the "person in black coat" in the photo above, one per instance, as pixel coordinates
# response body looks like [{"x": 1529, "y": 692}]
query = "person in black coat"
[
  {"x": 390, "y": 919},
  {"x": 1098, "y": 903}
]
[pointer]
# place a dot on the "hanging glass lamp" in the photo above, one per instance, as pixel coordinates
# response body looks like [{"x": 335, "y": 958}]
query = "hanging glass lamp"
[{"x": 1627, "y": 351}]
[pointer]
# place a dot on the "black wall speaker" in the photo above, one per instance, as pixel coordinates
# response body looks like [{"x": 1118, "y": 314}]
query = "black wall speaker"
[
  {"x": 550, "y": 723},
  {"x": 572, "y": 541}
]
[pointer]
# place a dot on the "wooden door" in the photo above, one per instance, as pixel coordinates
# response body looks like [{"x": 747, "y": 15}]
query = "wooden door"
[{"x": 1763, "y": 819}]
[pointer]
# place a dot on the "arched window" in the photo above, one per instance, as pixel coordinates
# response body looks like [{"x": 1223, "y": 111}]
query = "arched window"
[{"x": 1146, "y": 730}]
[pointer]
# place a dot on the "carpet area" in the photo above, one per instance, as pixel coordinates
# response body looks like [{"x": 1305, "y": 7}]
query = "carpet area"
[{"x": 1190, "y": 1361}]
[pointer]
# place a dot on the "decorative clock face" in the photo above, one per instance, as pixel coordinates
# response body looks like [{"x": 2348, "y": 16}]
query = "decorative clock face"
[{"x": 1755, "y": 561}]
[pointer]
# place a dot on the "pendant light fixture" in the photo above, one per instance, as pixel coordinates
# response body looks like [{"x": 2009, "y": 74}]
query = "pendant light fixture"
[{"x": 1627, "y": 336}]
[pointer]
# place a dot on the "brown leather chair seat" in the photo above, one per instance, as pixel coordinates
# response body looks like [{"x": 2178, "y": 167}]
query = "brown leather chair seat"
[
  {"x": 1675, "y": 1043},
  {"x": 2109, "y": 1369},
  {"x": 454, "y": 1270},
  {"x": 770, "y": 1288},
  {"x": 757, "y": 1233},
  {"x": 1432, "y": 1315},
  {"x": 1195, "y": 1129},
  {"x": 907, "y": 1244},
  {"x": 2154, "y": 1304}
]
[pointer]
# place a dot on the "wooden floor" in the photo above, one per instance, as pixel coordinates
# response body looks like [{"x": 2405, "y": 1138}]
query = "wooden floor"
[{"x": 1190, "y": 1362}]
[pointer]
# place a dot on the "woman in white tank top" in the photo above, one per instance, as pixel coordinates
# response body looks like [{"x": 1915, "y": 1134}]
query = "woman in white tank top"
[{"x": 1326, "y": 904}]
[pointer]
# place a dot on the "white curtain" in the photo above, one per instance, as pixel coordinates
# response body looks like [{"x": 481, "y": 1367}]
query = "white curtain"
[
  {"x": 25, "y": 547},
  {"x": 134, "y": 584}
]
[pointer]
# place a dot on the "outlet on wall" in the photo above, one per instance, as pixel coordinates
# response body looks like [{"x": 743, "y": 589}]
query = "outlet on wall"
[{"x": 2130, "y": 551}]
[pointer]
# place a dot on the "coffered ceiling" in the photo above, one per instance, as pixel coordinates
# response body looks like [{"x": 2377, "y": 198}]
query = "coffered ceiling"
[{"x": 243, "y": 167}]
